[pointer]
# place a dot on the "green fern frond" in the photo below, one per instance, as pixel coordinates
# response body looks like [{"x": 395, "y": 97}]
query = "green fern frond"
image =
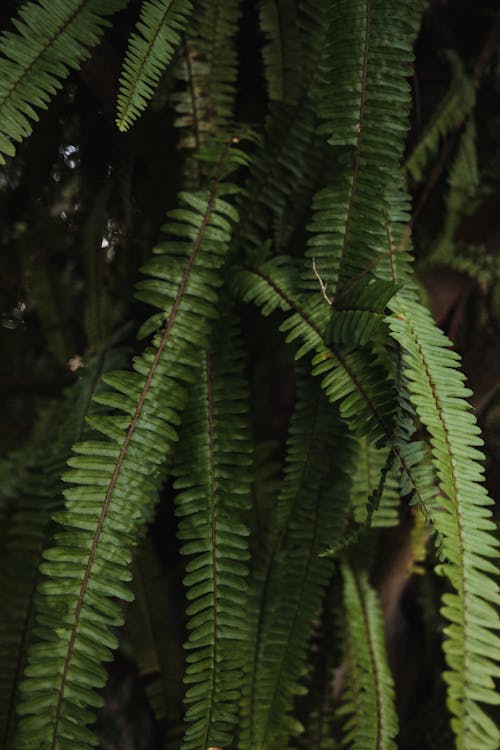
[
  {"x": 371, "y": 722},
  {"x": 214, "y": 501},
  {"x": 363, "y": 111},
  {"x": 279, "y": 23},
  {"x": 464, "y": 522},
  {"x": 352, "y": 377},
  {"x": 294, "y": 578},
  {"x": 455, "y": 106},
  {"x": 359, "y": 315},
  {"x": 149, "y": 52},
  {"x": 289, "y": 160},
  {"x": 51, "y": 37},
  {"x": 30, "y": 527},
  {"x": 115, "y": 480},
  {"x": 208, "y": 70}
]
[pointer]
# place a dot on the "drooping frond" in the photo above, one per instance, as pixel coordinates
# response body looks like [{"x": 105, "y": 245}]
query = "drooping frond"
[
  {"x": 213, "y": 476},
  {"x": 371, "y": 722},
  {"x": 463, "y": 519},
  {"x": 156, "y": 637},
  {"x": 363, "y": 107},
  {"x": 30, "y": 527},
  {"x": 208, "y": 69},
  {"x": 149, "y": 52},
  {"x": 51, "y": 37},
  {"x": 289, "y": 160},
  {"x": 310, "y": 514},
  {"x": 115, "y": 478},
  {"x": 353, "y": 377},
  {"x": 455, "y": 106},
  {"x": 279, "y": 23}
]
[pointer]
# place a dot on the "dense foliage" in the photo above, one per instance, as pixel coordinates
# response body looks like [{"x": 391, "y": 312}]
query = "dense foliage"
[{"x": 242, "y": 500}]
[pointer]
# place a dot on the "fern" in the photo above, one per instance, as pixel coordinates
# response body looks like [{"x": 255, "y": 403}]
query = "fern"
[
  {"x": 115, "y": 481},
  {"x": 149, "y": 51},
  {"x": 370, "y": 466},
  {"x": 51, "y": 37},
  {"x": 29, "y": 530},
  {"x": 366, "y": 399},
  {"x": 369, "y": 54},
  {"x": 208, "y": 70},
  {"x": 295, "y": 580},
  {"x": 369, "y": 696},
  {"x": 214, "y": 499},
  {"x": 471, "y": 648}
]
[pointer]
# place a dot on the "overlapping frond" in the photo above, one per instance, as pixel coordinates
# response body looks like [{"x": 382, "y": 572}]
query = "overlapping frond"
[
  {"x": 371, "y": 722},
  {"x": 358, "y": 317},
  {"x": 208, "y": 69},
  {"x": 213, "y": 476},
  {"x": 311, "y": 512},
  {"x": 463, "y": 520},
  {"x": 115, "y": 479},
  {"x": 149, "y": 52},
  {"x": 352, "y": 377},
  {"x": 51, "y": 38},
  {"x": 289, "y": 161},
  {"x": 363, "y": 107}
]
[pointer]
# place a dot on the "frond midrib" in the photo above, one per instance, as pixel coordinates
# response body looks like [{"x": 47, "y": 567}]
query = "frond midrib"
[
  {"x": 213, "y": 532},
  {"x": 123, "y": 452},
  {"x": 373, "y": 660},
  {"x": 274, "y": 551},
  {"x": 359, "y": 137},
  {"x": 297, "y": 611},
  {"x": 132, "y": 85}
]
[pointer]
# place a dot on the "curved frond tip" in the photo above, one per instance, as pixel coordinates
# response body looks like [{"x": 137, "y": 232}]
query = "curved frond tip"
[{"x": 150, "y": 50}]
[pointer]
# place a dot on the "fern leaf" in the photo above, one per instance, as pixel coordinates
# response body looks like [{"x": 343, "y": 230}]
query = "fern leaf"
[
  {"x": 214, "y": 501},
  {"x": 311, "y": 512},
  {"x": 115, "y": 480},
  {"x": 369, "y": 698},
  {"x": 51, "y": 37},
  {"x": 471, "y": 648},
  {"x": 30, "y": 528},
  {"x": 208, "y": 70},
  {"x": 358, "y": 317},
  {"x": 369, "y": 60},
  {"x": 351, "y": 377},
  {"x": 150, "y": 49}
]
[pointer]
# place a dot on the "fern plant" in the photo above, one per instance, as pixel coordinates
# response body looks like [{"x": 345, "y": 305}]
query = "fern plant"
[{"x": 185, "y": 503}]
